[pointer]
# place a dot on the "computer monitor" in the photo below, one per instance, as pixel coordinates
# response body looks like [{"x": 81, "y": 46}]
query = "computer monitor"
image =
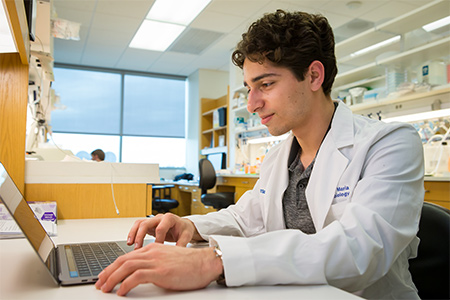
[{"x": 218, "y": 160}]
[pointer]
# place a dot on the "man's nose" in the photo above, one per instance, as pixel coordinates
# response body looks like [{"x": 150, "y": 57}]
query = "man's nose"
[{"x": 255, "y": 101}]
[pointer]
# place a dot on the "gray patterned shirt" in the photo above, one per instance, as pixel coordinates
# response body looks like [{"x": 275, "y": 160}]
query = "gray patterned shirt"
[{"x": 295, "y": 207}]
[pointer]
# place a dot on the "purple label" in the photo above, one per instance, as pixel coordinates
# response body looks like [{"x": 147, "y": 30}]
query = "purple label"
[{"x": 48, "y": 216}]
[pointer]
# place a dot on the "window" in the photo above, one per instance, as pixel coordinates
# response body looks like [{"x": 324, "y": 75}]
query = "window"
[
  {"x": 133, "y": 117},
  {"x": 152, "y": 107},
  {"x": 91, "y": 99},
  {"x": 168, "y": 152}
]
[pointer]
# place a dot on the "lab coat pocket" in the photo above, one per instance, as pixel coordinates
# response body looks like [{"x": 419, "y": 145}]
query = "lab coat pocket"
[{"x": 336, "y": 211}]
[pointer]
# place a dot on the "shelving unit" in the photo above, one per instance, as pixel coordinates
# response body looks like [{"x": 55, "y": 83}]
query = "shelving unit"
[
  {"x": 400, "y": 25},
  {"x": 440, "y": 93},
  {"x": 210, "y": 134},
  {"x": 375, "y": 69}
]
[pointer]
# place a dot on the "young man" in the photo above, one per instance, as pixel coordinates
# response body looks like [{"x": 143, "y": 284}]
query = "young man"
[{"x": 337, "y": 203}]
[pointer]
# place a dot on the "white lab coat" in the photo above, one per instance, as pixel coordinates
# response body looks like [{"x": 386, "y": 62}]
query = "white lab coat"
[{"x": 365, "y": 196}]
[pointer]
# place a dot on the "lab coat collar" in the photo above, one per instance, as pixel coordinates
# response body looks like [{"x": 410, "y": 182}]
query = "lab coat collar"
[
  {"x": 342, "y": 126},
  {"x": 330, "y": 165}
]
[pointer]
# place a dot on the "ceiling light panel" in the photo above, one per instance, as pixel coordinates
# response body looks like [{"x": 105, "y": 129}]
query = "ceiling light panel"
[
  {"x": 156, "y": 36},
  {"x": 176, "y": 11}
]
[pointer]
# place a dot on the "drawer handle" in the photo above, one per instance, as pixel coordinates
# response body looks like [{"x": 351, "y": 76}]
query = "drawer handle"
[
  {"x": 245, "y": 182},
  {"x": 427, "y": 191},
  {"x": 186, "y": 188},
  {"x": 194, "y": 190},
  {"x": 225, "y": 180}
]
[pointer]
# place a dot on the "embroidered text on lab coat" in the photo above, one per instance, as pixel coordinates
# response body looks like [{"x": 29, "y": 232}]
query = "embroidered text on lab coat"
[{"x": 342, "y": 191}]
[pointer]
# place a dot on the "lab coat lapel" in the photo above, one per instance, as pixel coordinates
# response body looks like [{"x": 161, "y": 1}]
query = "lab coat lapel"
[
  {"x": 278, "y": 180},
  {"x": 329, "y": 166}
]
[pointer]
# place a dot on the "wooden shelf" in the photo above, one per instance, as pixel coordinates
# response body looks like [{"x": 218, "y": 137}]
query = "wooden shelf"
[
  {"x": 214, "y": 129},
  {"x": 210, "y": 112},
  {"x": 209, "y": 135}
]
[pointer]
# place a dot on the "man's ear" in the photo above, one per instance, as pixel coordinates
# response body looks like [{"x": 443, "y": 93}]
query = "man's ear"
[{"x": 317, "y": 72}]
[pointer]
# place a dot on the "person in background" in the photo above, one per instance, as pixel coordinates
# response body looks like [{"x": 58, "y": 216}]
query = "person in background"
[
  {"x": 338, "y": 202},
  {"x": 98, "y": 155}
]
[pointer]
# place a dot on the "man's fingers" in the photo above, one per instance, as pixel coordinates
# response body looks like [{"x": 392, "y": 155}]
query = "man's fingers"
[
  {"x": 163, "y": 227},
  {"x": 132, "y": 234},
  {"x": 118, "y": 272},
  {"x": 184, "y": 238},
  {"x": 139, "y": 276},
  {"x": 146, "y": 226}
]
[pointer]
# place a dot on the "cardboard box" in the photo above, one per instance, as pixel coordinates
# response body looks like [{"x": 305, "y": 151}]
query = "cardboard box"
[{"x": 45, "y": 212}]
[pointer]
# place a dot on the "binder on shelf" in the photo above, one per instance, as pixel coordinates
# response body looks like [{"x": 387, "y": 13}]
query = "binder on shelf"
[{"x": 222, "y": 115}]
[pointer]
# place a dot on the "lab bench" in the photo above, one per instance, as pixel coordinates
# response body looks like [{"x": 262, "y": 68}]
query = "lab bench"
[{"x": 437, "y": 190}]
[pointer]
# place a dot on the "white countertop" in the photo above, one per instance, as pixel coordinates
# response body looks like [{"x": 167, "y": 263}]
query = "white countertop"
[
  {"x": 23, "y": 276},
  {"x": 89, "y": 172},
  {"x": 436, "y": 178}
]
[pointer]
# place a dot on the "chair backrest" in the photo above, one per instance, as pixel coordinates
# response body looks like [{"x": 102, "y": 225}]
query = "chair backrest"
[
  {"x": 207, "y": 175},
  {"x": 431, "y": 268}
]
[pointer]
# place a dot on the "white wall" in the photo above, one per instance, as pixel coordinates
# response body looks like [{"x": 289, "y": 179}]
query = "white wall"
[{"x": 201, "y": 84}]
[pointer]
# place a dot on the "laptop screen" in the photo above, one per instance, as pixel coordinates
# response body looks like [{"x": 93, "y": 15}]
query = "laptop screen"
[{"x": 25, "y": 218}]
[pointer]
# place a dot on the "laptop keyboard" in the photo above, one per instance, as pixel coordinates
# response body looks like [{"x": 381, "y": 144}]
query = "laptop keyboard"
[{"x": 91, "y": 259}]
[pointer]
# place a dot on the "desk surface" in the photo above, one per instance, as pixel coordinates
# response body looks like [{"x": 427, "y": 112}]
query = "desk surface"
[{"x": 23, "y": 276}]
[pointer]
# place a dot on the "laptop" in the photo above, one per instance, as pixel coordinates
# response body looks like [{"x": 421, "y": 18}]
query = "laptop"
[{"x": 69, "y": 264}]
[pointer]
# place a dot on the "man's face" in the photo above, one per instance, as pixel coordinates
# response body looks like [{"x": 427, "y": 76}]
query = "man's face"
[{"x": 281, "y": 101}]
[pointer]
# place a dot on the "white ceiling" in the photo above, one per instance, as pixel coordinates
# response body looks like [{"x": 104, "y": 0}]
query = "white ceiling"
[{"x": 108, "y": 26}]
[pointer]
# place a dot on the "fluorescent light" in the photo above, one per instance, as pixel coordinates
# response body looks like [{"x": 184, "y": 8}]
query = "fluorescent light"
[
  {"x": 429, "y": 115},
  {"x": 376, "y": 46},
  {"x": 176, "y": 11},
  {"x": 156, "y": 36},
  {"x": 7, "y": 42},
  {"x": 166, "y": 20},
  {"x": 437, "y": 24},
  {"x": 268, "y": 139}
]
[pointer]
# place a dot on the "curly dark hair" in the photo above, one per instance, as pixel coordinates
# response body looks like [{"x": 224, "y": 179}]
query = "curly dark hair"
[{"x": 292, "y": 40}]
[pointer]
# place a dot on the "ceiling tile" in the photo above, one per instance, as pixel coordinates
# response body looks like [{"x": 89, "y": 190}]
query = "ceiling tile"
[
  {"x": 340, "y": 7},
  {"x": 195, "y": 41},
  {"x": 83, "y": 17},
  {"x": 137, "y": 9},
  {"x": 241, "y": 8},
  {"x": 69, "y": 5},
  {"x": 172, "y": 63},
  {"x": 116, "y": 40},
  {"x": 387, "y": 11},
  {"x": 69, "y": 52},
  {"x": 114, "y": 23},
  {"x": 137, "y": 59},
  {"x": 214, "y": 21}
]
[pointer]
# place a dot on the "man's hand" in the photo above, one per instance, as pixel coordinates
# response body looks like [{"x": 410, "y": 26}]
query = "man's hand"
[
  {"x": 167, "y": 227},
  {"x": 166, "y": 266}
]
